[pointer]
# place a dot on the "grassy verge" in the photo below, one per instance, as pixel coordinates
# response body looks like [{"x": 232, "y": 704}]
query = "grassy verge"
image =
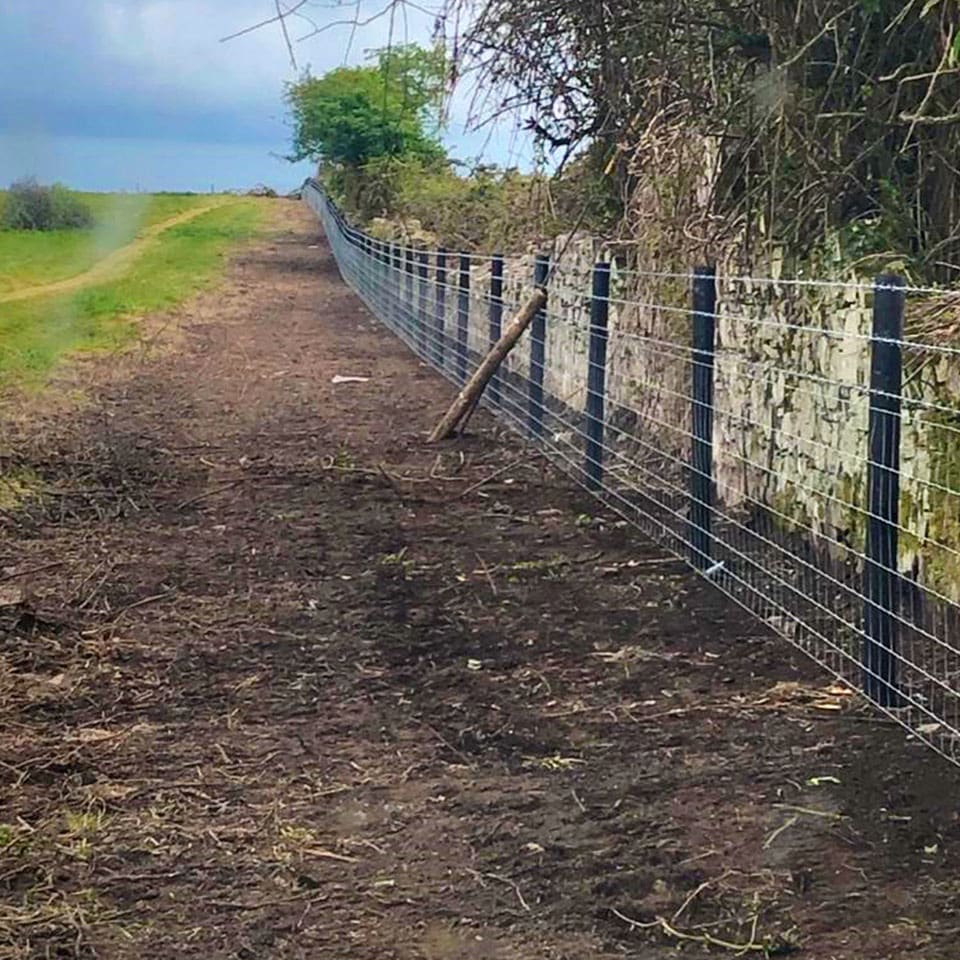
[
  {"x": 28, "y": 259},
  {"x": 36, "y": 334}
]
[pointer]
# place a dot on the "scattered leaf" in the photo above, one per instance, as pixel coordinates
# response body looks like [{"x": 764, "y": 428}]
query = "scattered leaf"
[
  {"x": 11, "y": 594},
  {"x": 555, "y": 763}
]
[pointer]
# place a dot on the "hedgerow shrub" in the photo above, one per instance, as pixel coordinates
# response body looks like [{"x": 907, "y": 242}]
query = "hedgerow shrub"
[
  {"x": 32, "y": 206},
  {"x": 488, "y": 209}
]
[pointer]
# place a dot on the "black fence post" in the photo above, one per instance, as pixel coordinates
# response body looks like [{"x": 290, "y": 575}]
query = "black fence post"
[
  {"x": 597, "y": 375},
  {"x": 423, "y": 321},
  {"x": 538, "y": 350},
  {"x": 382, "y": 288},
  {"x": 463, "y": 316},
  {"x": 880, "y": 576},
  {"x": 496, "y": 320},
  {"x": 360, "y": 267},
  {"x": 396, "y": 284},
  {"x": 409, "y": 308},
  {"x": 701, "y": 475},
  {"x": 367, "y": 263},
  {"x": 396, "y": 276},
  {"x": 441, "y": 301}
]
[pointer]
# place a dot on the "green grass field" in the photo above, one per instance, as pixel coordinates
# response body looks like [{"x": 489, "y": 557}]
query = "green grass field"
[
  {"x": 28, "y": 259},
  {"x": 37, "y": 333}
]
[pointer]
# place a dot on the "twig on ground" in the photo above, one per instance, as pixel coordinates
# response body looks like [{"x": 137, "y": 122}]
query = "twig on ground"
[
  {"x": 488, "y": 479},
  {"x": 330, "y": 855},
  {"x": 486, "y": 571},
  {"x": 776, "y": 833},
  {"x": 705, "y": 938},
  {"x": 828, "y": 814},
  {"x": 397, "y": 489},
  {"x": 510, "y": 883},
  {"x": 447, "y": 744},
  {"x": 328, "y": 465},
  {"x": 31, "y": 571},
  {"x": 700, "y": 856},
  {"x": 209, "y": 493},
  {"x": 487, "y": 837},
  {"x": 140, "y": 603},
  {"x": 696, "y": 893},
  {"x": 311, "y": 896},
  {"x": 78, "y": 593},
  {"x": 663, "y": 714}
]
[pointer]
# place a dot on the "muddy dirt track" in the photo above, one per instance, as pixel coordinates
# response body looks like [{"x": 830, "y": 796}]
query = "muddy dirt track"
[{"x": 288, "y": 682}]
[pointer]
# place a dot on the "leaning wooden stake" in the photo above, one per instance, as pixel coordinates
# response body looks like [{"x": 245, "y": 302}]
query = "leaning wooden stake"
[{"x": 470, "y": 394}]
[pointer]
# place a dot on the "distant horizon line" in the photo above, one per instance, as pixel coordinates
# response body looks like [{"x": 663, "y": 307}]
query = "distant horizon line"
[{"x": 41, "y": 135}]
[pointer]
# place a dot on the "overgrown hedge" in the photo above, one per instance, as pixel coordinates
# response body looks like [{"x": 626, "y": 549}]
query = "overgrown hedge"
[
  {"x": 487, "y": 209},
  {"x": 31, "y": 206}
]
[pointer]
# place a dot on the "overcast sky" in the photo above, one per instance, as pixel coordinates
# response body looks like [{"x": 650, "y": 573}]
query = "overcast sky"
[{"x": 138, "y": 93}]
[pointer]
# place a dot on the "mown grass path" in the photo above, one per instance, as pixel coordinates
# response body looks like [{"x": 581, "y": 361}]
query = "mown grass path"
[
  {"x": 96, "y": 309},
  {"x": 112, "y": 265}
]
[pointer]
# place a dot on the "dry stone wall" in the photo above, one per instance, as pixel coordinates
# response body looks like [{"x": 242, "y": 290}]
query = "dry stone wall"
[{"x": 791, "y": 399}]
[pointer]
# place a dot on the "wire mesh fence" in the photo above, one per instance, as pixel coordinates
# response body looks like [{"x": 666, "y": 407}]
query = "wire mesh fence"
[{"x": 796, "y": 441}]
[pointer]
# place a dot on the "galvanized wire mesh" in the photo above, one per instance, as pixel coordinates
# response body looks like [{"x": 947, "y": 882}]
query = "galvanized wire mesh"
[{"x": 776, "y": 462}]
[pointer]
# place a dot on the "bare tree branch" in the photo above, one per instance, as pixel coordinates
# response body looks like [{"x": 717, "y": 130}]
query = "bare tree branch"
[
  {"x": 282, "y": 17},
  {"x": 278, "y": 17}
]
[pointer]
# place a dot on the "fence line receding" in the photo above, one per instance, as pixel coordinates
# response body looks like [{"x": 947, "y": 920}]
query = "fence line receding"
[{"x": 793, "y": 441}]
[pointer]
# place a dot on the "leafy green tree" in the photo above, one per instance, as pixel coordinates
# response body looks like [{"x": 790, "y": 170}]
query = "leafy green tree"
[{"x": 353, "y": 115}]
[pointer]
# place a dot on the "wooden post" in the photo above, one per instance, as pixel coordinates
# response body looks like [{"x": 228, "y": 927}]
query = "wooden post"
[{"x": 469, "y": 396}]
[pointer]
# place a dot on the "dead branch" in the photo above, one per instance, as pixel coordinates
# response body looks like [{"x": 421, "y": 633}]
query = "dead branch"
[{"x": 470, "y": 395}]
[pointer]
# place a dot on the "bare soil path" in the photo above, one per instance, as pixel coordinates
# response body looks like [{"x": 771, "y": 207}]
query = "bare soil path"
[
  {"x": 278, "y": 679},
  {"x": 112, "y": 265}
]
